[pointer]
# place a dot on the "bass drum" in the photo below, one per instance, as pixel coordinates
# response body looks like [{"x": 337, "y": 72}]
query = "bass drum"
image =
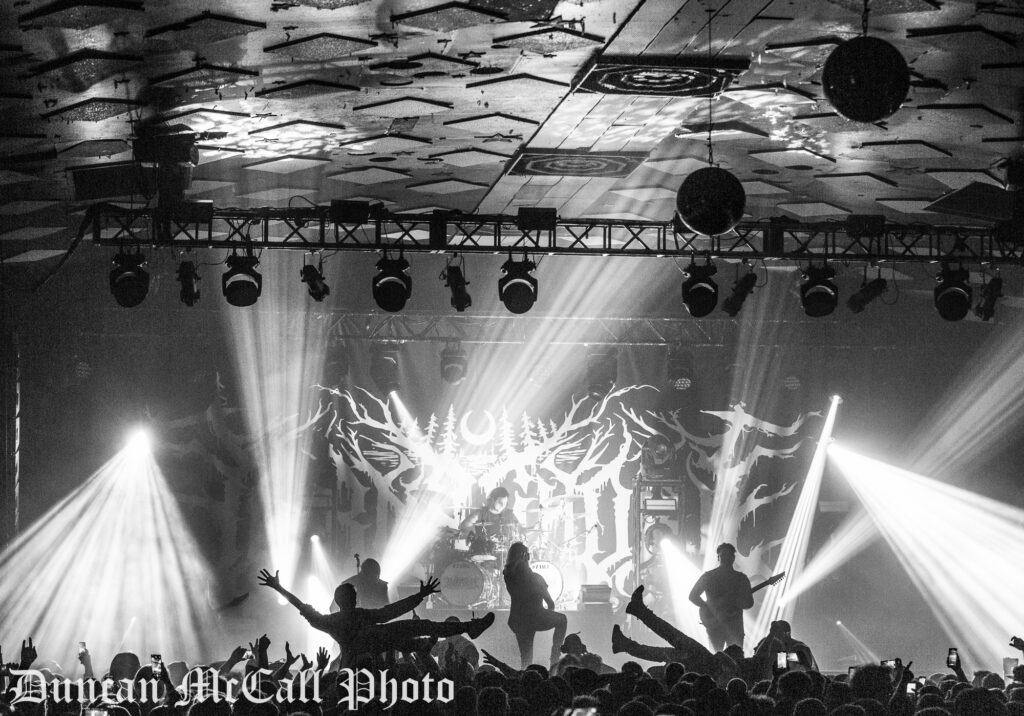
[
  {"x": 465, "y": 584},
  {"x": 552, "y": 575}
]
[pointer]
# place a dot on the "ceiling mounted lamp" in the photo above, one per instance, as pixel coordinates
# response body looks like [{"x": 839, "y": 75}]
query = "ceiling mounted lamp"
[
  {"x": 865, "y": 79},
  {"x": 392, "y": 286},
  {"x": 454, "y": 364},
  {"x": 700, "y": 292},
  {"x": 313, "y": 277},
  {"x": 710, "y": 201},
  {"x": 454, "y": 277},
  {"x": 188, "y": 277},
  {"x": 517, "y": 287},
  {"x": 743, "y": 287},
  {"x": 953, "y": 293},
  {"x": 991, "y": 292},
  {"x": 868, "y": 292},
  {"x": 129, "y": 282},
  {"x": 818, "y": 294},
  {"x": 241, "y": 283}
]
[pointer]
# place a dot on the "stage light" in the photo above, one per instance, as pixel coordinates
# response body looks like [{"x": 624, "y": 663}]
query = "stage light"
[
  {"x": 313, "y": 277},
  {"x": 517, "y": 288},
  {"x": 241, "y": 283},
  {"x": 680, "y": 369},
  {"x": 953, "y": 293},
  {"x": 129, "y": 282},
  {"x": 314, "y": 538},
  {"x": 454, "y": 364},
  {"x": 656, "y": 535},
  {"x": 960, "y": 549},
  {"x": 838, "y": 623},
  {"x": 700, "y": 292},
  {"x": 384, "y": 369},
  {"x": 455, "y": 280},
  {"x": 392, "y": 286},
  {"x": 740, "y": 290},
  {"x": 990, "y": 293},
  {"x": 188, "y": 277},
  {"x": 862, "y": 652},
  {"x": 138, "y": 443},
  {"x": 869, "y": 291},
  {"x": 602, "y": 372},
  {"x": 818, "y": 294}
]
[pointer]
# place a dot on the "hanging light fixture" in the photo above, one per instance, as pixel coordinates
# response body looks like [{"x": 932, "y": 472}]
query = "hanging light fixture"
[
  {"x": 454, "y": 277},
  {"x": 818, "y": 294},
  {"x": 188, "y": 277},
  {"x": 991, "y": 292},
  {"x": 700, "y": 292},
  {"x": 710, "y": 201},
  {"x": 313, "y": 277},
  {"x": 392, "y": 286},
  {"x": 454, "y": 364},
  {"x": 743, "y": 287},
  {"x": 865, "y": 79},
  {"x": 241, "y": 284},
  {"x": 129, "y": 282},
  {"x": 517, "y": 287},
  {"x": 953, "y": 293},
  {"x": 868, "y": 292}
]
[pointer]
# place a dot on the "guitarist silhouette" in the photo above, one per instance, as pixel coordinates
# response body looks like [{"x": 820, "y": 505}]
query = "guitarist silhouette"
[{"x": 727, "y": 593}]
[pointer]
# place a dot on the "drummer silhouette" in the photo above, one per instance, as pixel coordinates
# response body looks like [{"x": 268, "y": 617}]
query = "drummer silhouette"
[{"x": 490, "y": 526}]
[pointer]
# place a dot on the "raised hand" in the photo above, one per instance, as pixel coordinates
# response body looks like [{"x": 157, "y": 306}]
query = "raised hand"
[
  {"x": 28, "y": 654},
  {"x": 305, "y": 663},
  {"x": 237, "y": 654},
  {"x": 323, "y": 658},
  {"x": 270, "y": 580},
  {"x": 432, "y": 586},
  {"x": 1017, "y": 643},
  {"x": 489, "y": 658},
  {"x": 263, "y": 643}
]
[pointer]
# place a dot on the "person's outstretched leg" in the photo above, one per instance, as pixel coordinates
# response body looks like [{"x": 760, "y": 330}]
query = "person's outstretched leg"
[
  {"x": 662, "y": 628},
  {"x": 663, "y": 654},
  {"x": 561, "y": 625},
  {"x": 524, "y": 639},
  {"x": 383, "y": 637}
]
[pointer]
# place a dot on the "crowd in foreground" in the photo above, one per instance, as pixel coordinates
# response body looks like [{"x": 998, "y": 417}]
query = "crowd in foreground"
[{"x": 577, "y": 684}]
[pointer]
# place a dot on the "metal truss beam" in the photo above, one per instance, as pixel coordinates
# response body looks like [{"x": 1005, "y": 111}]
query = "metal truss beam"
[{"x": 311, "y": 229}]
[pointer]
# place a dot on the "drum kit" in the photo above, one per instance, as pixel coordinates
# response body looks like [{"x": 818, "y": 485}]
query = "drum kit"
[{"x": 470, "y": 564}]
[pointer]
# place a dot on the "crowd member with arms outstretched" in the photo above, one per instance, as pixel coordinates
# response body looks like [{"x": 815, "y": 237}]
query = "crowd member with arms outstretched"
[{"x": 371, "y": 631}]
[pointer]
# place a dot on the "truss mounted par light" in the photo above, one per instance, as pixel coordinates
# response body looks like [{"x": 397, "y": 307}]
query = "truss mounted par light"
[
  {"x": 313, "y": 277},
  {"x": 679, "y": 369},
  {"x": 868, "y": 292},
  {"x": 865, "y": 79},
  {"x": 953, "y": 293},
  {"x": 818, "y": 295},
  {"x": 454, "y": 278},
  {"x": 743, "y": 287},
  {"x": 392, "y": 286},
  {"x": 129, "y": 281},
  {"x": 454, "y": 364},
  {"x": 700, "y": 292},
  {"x": 517, "y": 287},
  {"x": 188, "y": 277},
  {"x": 241, "y": 283},
  {"x": 991, "y": 292}
]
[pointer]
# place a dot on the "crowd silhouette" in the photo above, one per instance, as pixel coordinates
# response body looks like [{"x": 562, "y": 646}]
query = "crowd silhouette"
[{"x": 683, "y": 678}]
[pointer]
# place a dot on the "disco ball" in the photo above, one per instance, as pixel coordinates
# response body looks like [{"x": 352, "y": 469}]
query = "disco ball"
[
  {"x": 866, "y": 79},
  {"x": 710, "y": 201}
]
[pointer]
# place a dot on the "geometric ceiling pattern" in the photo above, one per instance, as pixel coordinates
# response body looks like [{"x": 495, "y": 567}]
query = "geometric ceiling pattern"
[{"x": 597, "y": 109}]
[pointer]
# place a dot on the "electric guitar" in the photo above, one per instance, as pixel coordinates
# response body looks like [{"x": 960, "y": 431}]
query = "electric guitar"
[{"x": 707, "y": 614}]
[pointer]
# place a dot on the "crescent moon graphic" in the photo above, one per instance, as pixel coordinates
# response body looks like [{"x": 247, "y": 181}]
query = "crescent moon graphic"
[{"x": 481, "y": 438}]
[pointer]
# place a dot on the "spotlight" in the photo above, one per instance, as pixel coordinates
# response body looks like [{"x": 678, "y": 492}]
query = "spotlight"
[
  {"x": 517, "y": 288},
  {"x": 818, "y": 294},
  {"x": 990, "y": 293},
  {"x": 384, "y": 369},
  {"x": 838, "y": 623},
  {"x": 188, "y": 277},
  {"x": 129, "y": 282},
  {"x": 869, "y": 291},
  {"x": 602, "y": 371},
  {"x": 656, "y": 535},
  {"x": 138, "y": 442},
  {"x": 455, "y": 279},
  {"x": 241, "y": 283},
  {"x": 392, "y": 286},
  {"x": 680, "y": 369},
  {"x": 314, "y": 538},
  {"x": 700, "y": 292},
  {"x": 953, "y": 293},
  {"x": 454, "y": 365},
  {"x": 313, "y": 277},
  {"x": 740, "y": 290}
]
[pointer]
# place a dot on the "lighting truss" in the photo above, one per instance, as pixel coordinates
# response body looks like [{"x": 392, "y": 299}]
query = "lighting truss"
[{"x": 311, "y": 229}]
